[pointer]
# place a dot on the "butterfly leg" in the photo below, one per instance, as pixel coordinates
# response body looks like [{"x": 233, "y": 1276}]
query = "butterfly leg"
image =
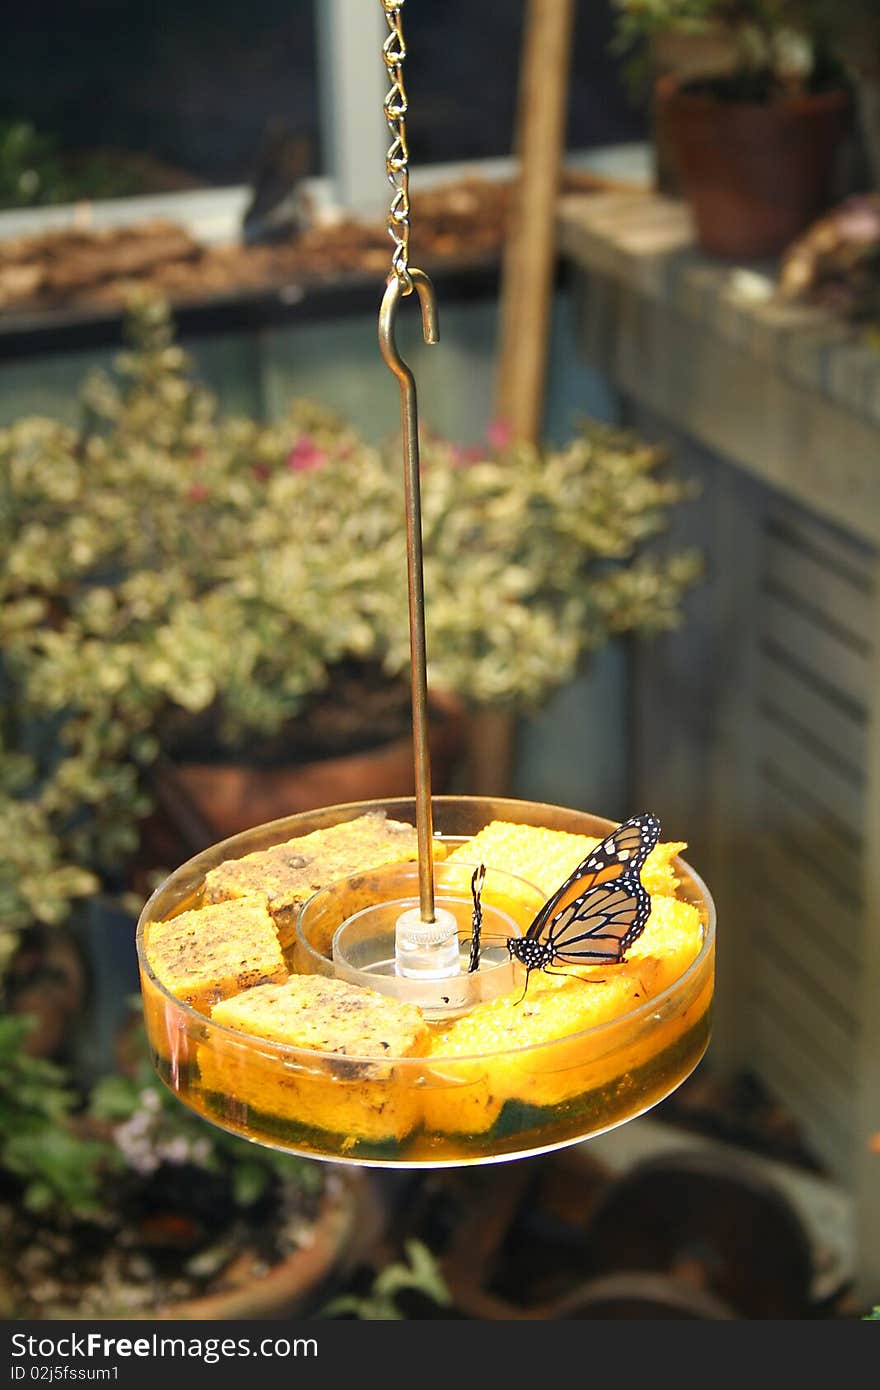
[
  {"x": 525, "y": 987},
  {"x": 583, "y": 978}
]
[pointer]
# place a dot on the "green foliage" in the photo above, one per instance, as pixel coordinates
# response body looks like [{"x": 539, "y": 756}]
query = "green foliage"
[
  {"x": 36, "y": 884},
  {"x": 850, "y": 28},
  {"x": 30, "y": 172},
  {"x": 58, "y": 1157},
  {"x": 417, "y": 1273},
  {"x": 757, "y": 46},
  {"x": 165, "y": 563},
  {"x": 149, "y": 1127},
  {"x": 637, "y": 20},
  {"x": 33, "y": 172},
  {"x": 40, "y": 1149}
]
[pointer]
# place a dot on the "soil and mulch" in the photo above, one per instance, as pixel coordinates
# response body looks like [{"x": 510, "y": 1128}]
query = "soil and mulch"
[
  {"x": 81, "y": 267},
  {"x": 360, "y": 708},
  {"x": 154, "y": 1244}
]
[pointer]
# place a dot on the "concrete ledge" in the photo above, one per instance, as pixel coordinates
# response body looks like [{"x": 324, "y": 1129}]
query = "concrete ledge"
[
  {"x": 790, "y": 394},
  {"x": 646, "y": 241}
]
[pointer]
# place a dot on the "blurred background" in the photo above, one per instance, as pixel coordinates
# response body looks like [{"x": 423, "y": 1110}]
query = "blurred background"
[{"x": 654, "y": 231}]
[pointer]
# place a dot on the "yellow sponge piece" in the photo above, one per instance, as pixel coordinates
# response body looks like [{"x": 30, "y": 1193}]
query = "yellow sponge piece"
[
  {"x": 209, "y": 953},
  {"x": 329, "y": 1015},
  {"x": 467, "y": 1096},
  {"x": 672, "y": 937},
  {"x": 287, "y": 874},
  {"x": 360, "y": 1099},
  {"x": 547, "y": 857}
]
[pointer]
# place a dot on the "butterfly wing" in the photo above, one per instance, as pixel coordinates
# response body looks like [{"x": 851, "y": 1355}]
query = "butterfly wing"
[
  {"x": 623, "y": 851},
  {"x": 627, "y": 847},
  {"x": 601, "y": 924}
]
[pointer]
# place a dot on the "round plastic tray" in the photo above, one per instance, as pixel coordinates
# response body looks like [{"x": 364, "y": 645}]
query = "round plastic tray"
[{"x": 427, "y": 1111}]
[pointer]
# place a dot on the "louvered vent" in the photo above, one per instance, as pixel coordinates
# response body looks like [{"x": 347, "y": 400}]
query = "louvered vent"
[{"x": 805, "y": 949}]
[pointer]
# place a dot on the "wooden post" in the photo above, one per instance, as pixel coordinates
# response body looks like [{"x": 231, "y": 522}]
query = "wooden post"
[
  {"x": 530, "y": 248},
  {"x": 526, "y": 291}
]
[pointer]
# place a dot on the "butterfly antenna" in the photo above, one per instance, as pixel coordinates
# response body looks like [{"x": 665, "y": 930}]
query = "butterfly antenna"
[{"x": 478, "y": 878}]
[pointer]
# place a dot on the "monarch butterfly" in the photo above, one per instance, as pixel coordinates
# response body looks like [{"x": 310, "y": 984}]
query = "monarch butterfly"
[{"x": 600, "y": 909}]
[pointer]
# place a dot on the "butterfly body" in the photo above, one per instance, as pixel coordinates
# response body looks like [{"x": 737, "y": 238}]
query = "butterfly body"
[{"x": 601, "y": 908}]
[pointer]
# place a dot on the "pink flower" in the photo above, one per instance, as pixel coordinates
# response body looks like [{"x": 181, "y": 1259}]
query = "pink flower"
[
  {"x": 467, "y": 453},
  {"x": 858, "y": 219},
  {"x": 198, "y": 493},
  {"x": 305, "y": 455},
  {"x": 499, "y": 434}
]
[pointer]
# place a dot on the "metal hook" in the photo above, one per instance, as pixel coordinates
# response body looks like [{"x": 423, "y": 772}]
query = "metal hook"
[{"x": 395, "y": 289}]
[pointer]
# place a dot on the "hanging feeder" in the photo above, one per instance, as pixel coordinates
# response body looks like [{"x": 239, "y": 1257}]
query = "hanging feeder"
[{"x": 438, "y": 938}]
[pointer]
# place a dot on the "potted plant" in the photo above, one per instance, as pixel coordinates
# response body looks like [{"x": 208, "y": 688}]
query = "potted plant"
[
  {"x": 410, "y": 1286},
  {"x": 755, "y": 131},
  {"x": 185, "y": 584},
  {"x": 41, "y": 968},
  {"x": 193, "y": 592},
  {"x": 115, "y": 1200},
  {"x": 123, "y": 1203}
]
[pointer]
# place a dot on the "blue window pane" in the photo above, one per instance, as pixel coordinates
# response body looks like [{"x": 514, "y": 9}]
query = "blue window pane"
[
  {"x": 189, "y": 90},
  {"x": 463, "y": 71}
]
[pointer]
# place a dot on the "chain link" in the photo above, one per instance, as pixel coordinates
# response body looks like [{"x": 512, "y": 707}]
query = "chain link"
[{"x": 397, "y": 158}]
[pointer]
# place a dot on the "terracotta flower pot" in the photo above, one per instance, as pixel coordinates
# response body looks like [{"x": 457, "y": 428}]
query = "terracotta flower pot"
[
  {"x": 683, "y": 55},
  {"x": 755, "y": 173},
  {"x": 200, "y": 803},
  {"x": 47, "y": 980}
]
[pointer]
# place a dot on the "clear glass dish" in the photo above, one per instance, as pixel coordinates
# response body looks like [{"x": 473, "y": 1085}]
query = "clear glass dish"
[{"x": 426, "y": 1111}]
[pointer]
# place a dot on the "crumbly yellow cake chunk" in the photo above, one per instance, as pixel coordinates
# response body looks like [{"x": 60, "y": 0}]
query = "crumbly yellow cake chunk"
[
  {"x": 547, "y": 857},
  {"x": 363, "y": 1100},
  {"x": 672, "y": 936},
  {"x": 329, "y": 1015},
  {"x": 205, "y": 954},
  {"x": 554, "y": 1007},
  {"x": 557, "y": 1009},
  {"x": 286, "y": 875}
]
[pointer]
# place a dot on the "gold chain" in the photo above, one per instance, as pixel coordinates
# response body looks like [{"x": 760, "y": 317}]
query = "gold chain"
[{"x": 397, "y": 158}]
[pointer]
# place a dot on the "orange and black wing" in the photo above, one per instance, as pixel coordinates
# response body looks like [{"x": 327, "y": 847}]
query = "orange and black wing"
[
  {"x": 624, "y": 851},
  {"x": 599, "y": 925}
]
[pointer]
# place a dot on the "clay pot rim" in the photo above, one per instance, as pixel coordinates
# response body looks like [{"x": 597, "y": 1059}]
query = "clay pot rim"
[
  {"x": 447, "y": 712},
  {"x": 649, "y": 1285},
  {"x": 672, "y": 92}
]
